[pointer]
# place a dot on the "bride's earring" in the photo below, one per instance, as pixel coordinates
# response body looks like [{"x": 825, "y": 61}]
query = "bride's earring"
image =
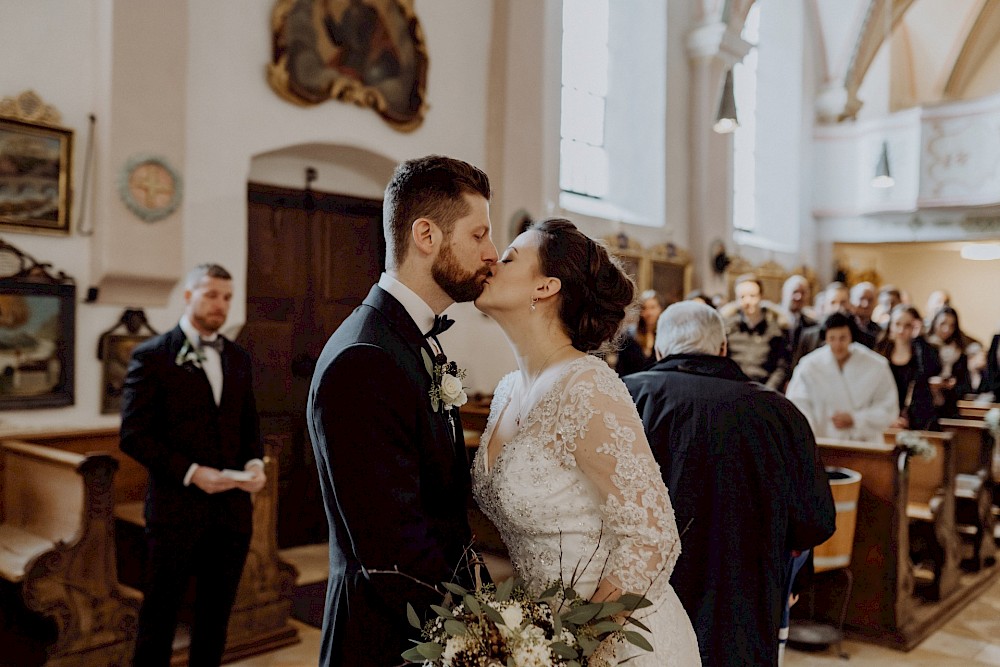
[{"x": 534, "y": 300}]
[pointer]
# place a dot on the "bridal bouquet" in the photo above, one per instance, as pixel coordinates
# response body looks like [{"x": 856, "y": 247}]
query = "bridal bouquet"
[{"x": 505, "y": 626}]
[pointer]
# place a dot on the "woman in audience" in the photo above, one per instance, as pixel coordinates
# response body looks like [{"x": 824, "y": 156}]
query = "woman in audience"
[
  {"x": 947, "y": 338},
  {"x": 913, "y": 363},
  {"x": 990, "y": 383},
  {"x": 637, "y": 353}
]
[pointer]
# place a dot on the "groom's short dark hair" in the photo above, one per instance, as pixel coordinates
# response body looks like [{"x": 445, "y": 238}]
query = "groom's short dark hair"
[{"x": 429, "y": 187}]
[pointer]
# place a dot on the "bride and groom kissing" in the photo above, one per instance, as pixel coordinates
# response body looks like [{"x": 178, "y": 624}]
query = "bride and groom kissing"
[{"x": 563, "y": 470}]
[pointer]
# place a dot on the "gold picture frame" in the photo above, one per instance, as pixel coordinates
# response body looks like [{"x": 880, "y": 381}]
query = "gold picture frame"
[
  {"x": 35, "y": 177},
  {"x": 368, "y": 52}
]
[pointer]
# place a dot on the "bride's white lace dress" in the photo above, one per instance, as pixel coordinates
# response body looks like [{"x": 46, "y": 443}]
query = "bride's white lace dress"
[{"x": 578, "y": 484}]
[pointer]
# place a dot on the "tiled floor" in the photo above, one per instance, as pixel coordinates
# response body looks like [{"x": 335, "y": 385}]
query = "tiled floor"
[{"x": 971, "y": 638}]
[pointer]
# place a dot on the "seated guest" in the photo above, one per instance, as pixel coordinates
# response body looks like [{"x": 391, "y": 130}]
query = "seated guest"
[
  {"x": 913, "y": 363},
  {"x": 757, "y": 335},
  {"x": 990, "y": 384},
  {"x": 845, "y": 390},
  {"x": 862, "y": 306},
  {"x": 637, "y": 351},
  {"x": 795, "y": 299},
  {"x": 835, "y": 299},
  {"x": 935, "y": 302},
  {"x": 946, "y": 336},
  {"x": 976, "y": 356},
  {"x": 745, "y": 481},
  {"x": 889, "y": 297}
]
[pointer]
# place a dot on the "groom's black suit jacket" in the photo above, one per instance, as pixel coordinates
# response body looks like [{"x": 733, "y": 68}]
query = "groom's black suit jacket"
[
  {"x": 395, "y": 480},
  {"x": 170, "y": 420}
]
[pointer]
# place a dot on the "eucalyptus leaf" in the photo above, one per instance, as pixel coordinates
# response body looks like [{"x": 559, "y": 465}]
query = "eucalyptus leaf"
[
  {"x": 411, "y": 616},
  {"x": 633, "y": 601},
  {"x": 603, "y": 627},
  {"x": 443, "y": 612},
  {"x": 412, "y": 655},
  {"x": 455, "y": 588},
  {"x": 583, "y": 613},
  {"x": 493, "y": 615},
  {"x": 638, "y": 640},
  {"x": 573, "y": 663},
  {"x": 550, "y": 592},
  {"x": 563, "y": 650},
  {"x": 587, "y": 644},
  {"x": 570, "y": 594},
  {"x": 610, "y": 609},
  {"x": 430, "y": 650},
  {"x": 638, "y": 624},
  {"x": 455, "y": 628},
  {"x": 556, "y": 624},
  {"x": 504, "y": 590},
  {"x": 472, "y": 604}
]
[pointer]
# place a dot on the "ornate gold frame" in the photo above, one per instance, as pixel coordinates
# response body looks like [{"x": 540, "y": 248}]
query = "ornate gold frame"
[
  {"x": 33, "y": 145},
  {"x": 302, "y": 68}
]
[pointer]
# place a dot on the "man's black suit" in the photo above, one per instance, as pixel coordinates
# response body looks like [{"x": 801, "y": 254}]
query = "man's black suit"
[
  {"x": 169, "y": 421},
  {"x": 395, "y": 481}
]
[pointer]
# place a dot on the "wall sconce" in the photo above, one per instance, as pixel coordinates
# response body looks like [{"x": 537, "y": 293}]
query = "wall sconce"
[
  {"x": 726, "y": 120},
  {"x": 883, "y": 178}
]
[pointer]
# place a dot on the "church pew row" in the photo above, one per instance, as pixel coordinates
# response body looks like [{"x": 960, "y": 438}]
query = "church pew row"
[
  {"x": 882, "y": 608},
  {"x": 971, "y": 409},
  {"x": 57, "y": 556},
  {"x": 930, "y": 508},
  {"x": 974, "y": 450},
  {"x": 259, "y": 621},
  {"x": 881, "y": 604}
]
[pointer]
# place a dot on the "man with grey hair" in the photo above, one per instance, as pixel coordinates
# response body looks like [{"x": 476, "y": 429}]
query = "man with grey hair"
[
  {"x": 745, "y": 481},
  {"x": 863, "y": 306}
]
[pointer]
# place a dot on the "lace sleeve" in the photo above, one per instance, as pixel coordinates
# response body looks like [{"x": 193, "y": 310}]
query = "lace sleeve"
[{"x": 600, "y": 428}]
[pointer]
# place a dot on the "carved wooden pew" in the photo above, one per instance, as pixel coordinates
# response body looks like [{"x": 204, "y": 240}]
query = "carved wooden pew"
[
  {"x": 974, "y": 455},
  {"x": 259, "y": 621},
  {"x": 881, "y": 603},
  {"x": 931, "y": 510},
  {"x": 57, "y": 547}
]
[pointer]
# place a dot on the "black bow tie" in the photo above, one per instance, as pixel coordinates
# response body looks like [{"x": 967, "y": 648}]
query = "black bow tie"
[
  {"x": 214, "y": 344},
  {"x": 441, "y": 324}
]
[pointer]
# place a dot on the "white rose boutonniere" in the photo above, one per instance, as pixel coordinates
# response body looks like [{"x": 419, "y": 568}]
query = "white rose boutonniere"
[
  {"x": 446, "y": 390},
  {"x": 189, "y": 354}
]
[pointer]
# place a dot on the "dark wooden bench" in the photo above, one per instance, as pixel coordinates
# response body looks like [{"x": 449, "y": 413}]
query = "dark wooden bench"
[
  {"x": 930, "y": 508},
  {"x": 57, "y": 549},
  {"x": 259, "y": 621},
  {"x": 881, "y": 604},
  {"x": 974, "y": 484}
]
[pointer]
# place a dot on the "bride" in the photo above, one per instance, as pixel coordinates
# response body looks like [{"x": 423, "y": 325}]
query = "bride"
[{"x": 564, "y": 469}]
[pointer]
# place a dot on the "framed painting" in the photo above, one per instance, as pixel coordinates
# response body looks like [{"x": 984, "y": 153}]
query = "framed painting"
[
  {"x": 36, "y": 344},
  {"x": 35, "y": 185},
  {"x": 114, "y": 350},
  {"x": 368, "y": 52}
]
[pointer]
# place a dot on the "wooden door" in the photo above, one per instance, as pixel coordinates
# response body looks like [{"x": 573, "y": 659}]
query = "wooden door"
[{"x": 312, "y": 257}]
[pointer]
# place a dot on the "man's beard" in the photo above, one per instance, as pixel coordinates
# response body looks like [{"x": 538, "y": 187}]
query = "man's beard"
[{"x": 457, "y": 283}]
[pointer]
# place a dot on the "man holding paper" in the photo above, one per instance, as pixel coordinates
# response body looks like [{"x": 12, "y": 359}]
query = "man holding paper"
[{"x": 189, "y": 417}]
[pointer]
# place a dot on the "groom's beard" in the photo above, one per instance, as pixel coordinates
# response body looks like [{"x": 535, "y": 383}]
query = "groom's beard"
[{"x": 459, "y": 284}]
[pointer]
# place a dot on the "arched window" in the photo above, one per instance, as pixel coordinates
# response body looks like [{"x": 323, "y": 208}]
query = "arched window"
[{"x": 612, "y": 157}]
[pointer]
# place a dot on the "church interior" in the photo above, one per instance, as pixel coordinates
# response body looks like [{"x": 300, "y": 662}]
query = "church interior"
[{"x": 840, "y": 140}]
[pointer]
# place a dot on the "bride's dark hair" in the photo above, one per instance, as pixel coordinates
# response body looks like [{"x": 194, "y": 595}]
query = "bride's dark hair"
[{"x": 596, "y": 291}]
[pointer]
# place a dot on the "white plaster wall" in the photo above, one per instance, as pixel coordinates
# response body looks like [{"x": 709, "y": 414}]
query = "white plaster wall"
[
  {"x": 921, "y": 268},
  {"x": 232, "y": 115}
]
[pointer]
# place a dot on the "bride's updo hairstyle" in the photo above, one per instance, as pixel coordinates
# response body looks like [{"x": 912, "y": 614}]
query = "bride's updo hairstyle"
[{"x": 596, "y": 292}]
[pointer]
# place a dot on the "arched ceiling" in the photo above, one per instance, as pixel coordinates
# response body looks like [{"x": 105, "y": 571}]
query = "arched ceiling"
[{"x": 940, "y": 50}]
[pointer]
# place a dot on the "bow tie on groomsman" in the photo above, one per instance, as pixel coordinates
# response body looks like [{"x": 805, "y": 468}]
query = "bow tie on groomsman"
[{"x": 216, "y": 343}]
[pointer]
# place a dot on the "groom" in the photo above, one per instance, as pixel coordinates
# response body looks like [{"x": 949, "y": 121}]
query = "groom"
[{"x": 392, "y": 461}]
